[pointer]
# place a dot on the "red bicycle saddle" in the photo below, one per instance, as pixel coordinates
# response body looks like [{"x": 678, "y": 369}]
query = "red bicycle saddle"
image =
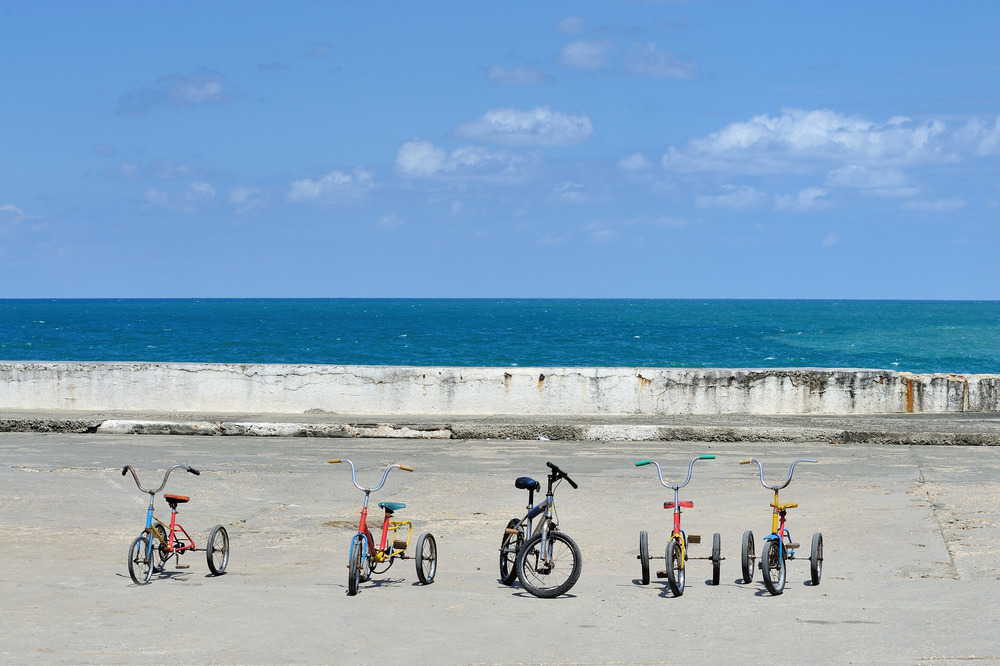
[{"x": 174, "y": 500}]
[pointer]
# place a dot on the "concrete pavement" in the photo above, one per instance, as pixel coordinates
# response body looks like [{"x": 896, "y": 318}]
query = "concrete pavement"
[{"x": 912, "y": 542}]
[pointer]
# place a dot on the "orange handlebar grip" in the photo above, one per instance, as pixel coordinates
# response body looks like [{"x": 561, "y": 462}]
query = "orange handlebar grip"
[
  {"x": 404, "y": 467},
  {"x": 334, "y": 461},
  {"x": 746, "y": 462}
]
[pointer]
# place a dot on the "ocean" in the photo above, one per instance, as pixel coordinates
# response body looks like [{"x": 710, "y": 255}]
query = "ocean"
[{"x": 915, "y": 336}]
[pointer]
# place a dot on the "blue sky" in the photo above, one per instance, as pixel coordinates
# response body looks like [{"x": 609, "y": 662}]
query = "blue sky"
[{"x": 701, "y": 149}]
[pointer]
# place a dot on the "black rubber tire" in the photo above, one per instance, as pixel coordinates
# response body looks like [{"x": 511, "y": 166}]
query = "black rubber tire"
[
  {"x": 816, "y": 559},
  {"x": 217, "y": 550},
  {"x": 674, "y": 557},
  {"x": 772, "y": 566},
  {"x": 510, "y": 545},
  {"x": 140, "y": 566},
  {"x": 354, "y": 566},
  {"x": 427, "y": 558},
  {"x": 548, "y": 581},
  {"x": 644, "y": 556},
  {"x": 716, "y": 558},
  {"x": 747, "y": 556}
]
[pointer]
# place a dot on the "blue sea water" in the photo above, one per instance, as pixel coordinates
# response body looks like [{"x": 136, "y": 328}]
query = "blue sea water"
[{"x": 916, "y": 336}]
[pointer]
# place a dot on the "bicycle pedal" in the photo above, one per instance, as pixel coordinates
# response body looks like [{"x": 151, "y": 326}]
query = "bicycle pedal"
[
  {"x": 694, "y": 538},
  {"x": 399, "y": 545},
  {"x": 792, "y": 546},
  {"x": 183, "y": 566},
  {"x": 661, "y": 574}
]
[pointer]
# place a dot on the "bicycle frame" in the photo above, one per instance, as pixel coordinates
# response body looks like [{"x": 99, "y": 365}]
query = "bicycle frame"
[
  {"x": 171, "y": 529},
  {"x": 677, "y": 504},
  {"x": 779, "y": 532},
  {"x": 383, "y": 552}
]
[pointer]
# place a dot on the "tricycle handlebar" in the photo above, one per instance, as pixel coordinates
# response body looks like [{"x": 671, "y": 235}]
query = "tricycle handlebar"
[
  {"x": 659, "y": 471},
  {"x": 129, "y": 468},
  {"x": 354, "y": 476},
  {"x": 791, "y": 470}
]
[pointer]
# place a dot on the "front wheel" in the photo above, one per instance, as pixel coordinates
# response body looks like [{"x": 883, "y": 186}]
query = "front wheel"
[
  {"x": 644, "y": 556},
  {"x": 427, "y": 557},
  {"x": 510, "y": 545},
  {"x": 772, "y": 565},
  {"x": 552, "y": 576},
  {"x": 140, "y": 559},
  {"x": 217, "y": 552},
  {"x": 816, "y": 559},
  {"x": 354, "y": 566},
  {"x": 716, "y": 558},
  {"x": 747, "y": 556},
  {"x": 675, "y": 567}
]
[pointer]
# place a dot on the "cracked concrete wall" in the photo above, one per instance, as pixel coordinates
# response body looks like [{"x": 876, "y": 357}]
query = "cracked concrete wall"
[{"x": 400, "y": 390}]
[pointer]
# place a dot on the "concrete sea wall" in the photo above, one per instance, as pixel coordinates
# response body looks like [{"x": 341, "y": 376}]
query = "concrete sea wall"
[{"x": 401, "y": 390}]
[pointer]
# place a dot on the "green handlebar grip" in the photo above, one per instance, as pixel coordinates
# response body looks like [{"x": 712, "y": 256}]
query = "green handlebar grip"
[
  {"x": 707, "y": 457},
  {"x": 641, "y": 463}
]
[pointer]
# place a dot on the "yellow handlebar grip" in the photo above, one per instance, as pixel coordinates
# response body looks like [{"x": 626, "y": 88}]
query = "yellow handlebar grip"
[
  {"x": 335, "y": 460},
  {"x": 404, "y": 467},
  {"x": 746, "y": 462}
]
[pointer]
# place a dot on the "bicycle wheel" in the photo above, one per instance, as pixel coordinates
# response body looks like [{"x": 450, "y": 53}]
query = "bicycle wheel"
[
  {"x": 816, "y": 559},
  {"x": 716, "y": 558},
  {"x": 675, "y": 567},
  {"x": 217, "y": 551},
  {"x": 747, "y": 556},
  {"x": 772, "y": 565},
  {"x": 427, "y": 558},
  {"x": 510, "y": 545},
  {"x": 140, "y": 559},
  {"x": 644, "y": 556},
  {"x": 552, "y": 577},
  {"x": 355, "y": 565}
]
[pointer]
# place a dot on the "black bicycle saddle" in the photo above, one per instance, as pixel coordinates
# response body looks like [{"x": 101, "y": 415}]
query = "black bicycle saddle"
[{"x": 527, "y": 483}]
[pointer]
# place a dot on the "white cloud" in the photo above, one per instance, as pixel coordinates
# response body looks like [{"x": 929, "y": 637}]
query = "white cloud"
[
  {"x": 17, "y": 212},
  {"x": 807, "y": 199},
  {"x": 569, "y": 192},
  {"x": 572, "y": 25},
  {"x": 540, "y": 126},
  {"x": 390, "y": 221},
  {"x": 516, "y": 76},
  {"x": 634, "y": 162},
  {"x": 245, "y": 198},
  {"x": 797, "y": 137},
  {"x": 422, "y": 159},
  {"x": 202, "y": 87},
  {"x": 586, "y": 54},
  {"x": 188, "y": 201},
  {"x": 419, "y": 159},
  {"x": 939, "y": 206},
  {"x": 648, "y": 60},
  {"x": 980, "y": 137},
  {"x": 735, "y": 198},
  {"x": 334, "y": 185},
  {"x": 888, "y": 183},
  {"x": 203, "y": 190}
]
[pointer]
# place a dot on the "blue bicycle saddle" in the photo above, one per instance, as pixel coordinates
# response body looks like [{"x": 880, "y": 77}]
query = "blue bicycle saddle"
[
  {"x": 527, "y": 483},
  {"x": 391, "y": 506}
]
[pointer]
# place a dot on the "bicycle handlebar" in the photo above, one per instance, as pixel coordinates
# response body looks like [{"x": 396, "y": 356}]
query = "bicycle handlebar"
[
  {"x": 659, "y": 471},
  {"x": 791, "y": 470},
  {"x": 354, "y": 476},
  {"x": 557, "y": 474},
  {"x": 187, "y": 468}
]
